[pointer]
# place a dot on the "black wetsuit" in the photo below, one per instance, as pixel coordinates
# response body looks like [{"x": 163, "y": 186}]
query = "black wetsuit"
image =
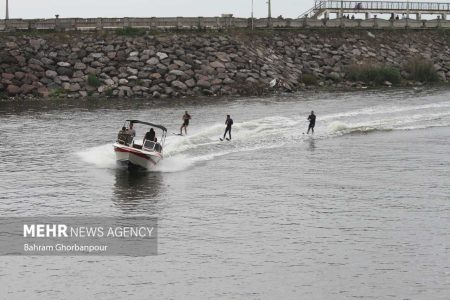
[
  {"x": 228, "y": 122},
  {"x": 150, "y": 136},
  {"x": 312, "y": 122},
  {"x": 186, "y": 120}
]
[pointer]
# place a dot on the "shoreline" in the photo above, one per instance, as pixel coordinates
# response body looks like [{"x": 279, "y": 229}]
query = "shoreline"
[
  {"x": 178, "y": 65},
  {"x": 19, "y": 104}
]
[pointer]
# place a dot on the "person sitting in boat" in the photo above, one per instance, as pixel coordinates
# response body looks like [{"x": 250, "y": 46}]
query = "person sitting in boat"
[
  {"x": 131, "y": 131},
  {"x": 122, "y": 136},
  {"x": 150, "y": 135}
]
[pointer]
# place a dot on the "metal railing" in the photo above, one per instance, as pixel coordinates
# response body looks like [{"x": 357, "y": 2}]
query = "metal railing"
[
  {"x": 386, "y": 6},
  {"x": 318, "y": 6},
  {"x": 214, "y": 23}
]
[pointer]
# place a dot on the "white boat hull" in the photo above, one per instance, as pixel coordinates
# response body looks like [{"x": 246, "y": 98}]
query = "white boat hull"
[{"x": 136, "y": 158}]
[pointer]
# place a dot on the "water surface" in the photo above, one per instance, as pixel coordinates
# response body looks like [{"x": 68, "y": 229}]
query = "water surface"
[{"x": 360, "y": 210}]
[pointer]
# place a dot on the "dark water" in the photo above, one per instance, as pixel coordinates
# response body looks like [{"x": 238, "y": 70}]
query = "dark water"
[{"x": 359, "y": 211}]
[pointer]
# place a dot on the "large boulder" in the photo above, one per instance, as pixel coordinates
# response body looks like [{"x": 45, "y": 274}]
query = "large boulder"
[
  {"x": 223, "y": 57},
  {"x": 79, "y": 66},
  {"x": 179, "y": 85},
  {"x": 7, "y": 76},
  {"x": 125, "y": 91},
  {"x": 228, "y": 81},
  {"x": 108, "y": 48},
  {"x": 179, "y": 63},
  {"x": 155, "y": 76},
  {"x": 33, "y": 61},
  {"x": 356, "y": 52},
  {"x": 78, "y": 74},
  {"x": 153, "y": 61},
  {"x": 177, "y": 73},
  {"x": 162, "y": 55},
  {"x": 64, "y": 71},
  {"x": 36, "y": 68},
  {"x": 36, "y": 43},
  {"x": 109, "y": 82},
  {"x": 132, "y": 71},
  {"x": 96, "y": 55},
  {"x": 13, "y": 90},
  {"x": 203, "y": 84},
  {"x": 75, "y": 87},
  {"x": 170, "y": 78},
  {"x": 27, "y": 88},
  {"x": 123, "y": 81},
  {"x": 217, "y": 64},
  {"x": 190, "y": 83},
  {"x": 43, "y": 92},
  {"x": 63, "y": 64},
  {"x": 11, "y": 45},
  {"x": 6, "y": 58},
  {"x": 19, "y": 75}
]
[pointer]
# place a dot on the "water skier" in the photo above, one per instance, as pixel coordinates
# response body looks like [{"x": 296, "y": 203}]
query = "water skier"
[
  {"x": 229, "y": 123},
  {"x": 312, "y": 122},
  {"x": 186, "y": 118}
]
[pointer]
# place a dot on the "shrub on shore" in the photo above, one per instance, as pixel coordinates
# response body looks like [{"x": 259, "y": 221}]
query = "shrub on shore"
[
  {"x": 309, "y": 79},
  {"x": 421, "y": 69},
  {"x": 58, "y": 92},
  {"x": 373, "y": 74},
  {"x": 93, "y": 80},
  {"x": 130, "y": 31}
]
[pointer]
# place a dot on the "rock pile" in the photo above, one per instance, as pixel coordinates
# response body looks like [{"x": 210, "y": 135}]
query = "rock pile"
[{"x": 187, "y": 64}]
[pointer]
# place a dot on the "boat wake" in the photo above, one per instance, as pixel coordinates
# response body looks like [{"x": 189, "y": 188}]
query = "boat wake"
[{"x": 203, "y": 144}]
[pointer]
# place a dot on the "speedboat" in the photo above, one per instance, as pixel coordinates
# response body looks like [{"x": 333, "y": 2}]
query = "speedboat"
[{"x": 139, "y": 154}]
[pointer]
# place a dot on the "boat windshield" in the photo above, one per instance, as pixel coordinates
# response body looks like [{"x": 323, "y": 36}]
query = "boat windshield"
[{"x": 150, "y": 145}]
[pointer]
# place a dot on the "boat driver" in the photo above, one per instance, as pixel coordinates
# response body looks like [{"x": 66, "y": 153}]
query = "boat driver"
[
  {"x": 150, "y": 136},
  {"x": 131, "y": 131}
]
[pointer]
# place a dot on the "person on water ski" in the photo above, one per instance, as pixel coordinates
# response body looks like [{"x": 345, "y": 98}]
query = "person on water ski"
[
  {"x": 229, "y": 123},
  {"x": 186, "y": 118},
  {"x": 312, "y": 122}
]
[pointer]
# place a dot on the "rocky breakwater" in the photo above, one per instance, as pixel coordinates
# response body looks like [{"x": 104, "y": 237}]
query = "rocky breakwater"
[{"x": 107, "y": 64}]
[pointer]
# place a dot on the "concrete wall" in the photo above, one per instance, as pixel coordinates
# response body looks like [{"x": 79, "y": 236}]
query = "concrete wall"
[{"x": 211, "y": 23}]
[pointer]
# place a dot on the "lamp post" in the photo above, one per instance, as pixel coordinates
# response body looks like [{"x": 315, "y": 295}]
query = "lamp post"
[
  {"x": 269, "y": 15},
  {"x": 253, "y": 24},
  {"x": 407, "y": 9},
  {"x": 7, "y": 11}
]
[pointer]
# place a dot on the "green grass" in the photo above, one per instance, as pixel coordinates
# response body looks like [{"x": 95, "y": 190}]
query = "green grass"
[
  {"x": 93, "y": 80},
  {"x": 309, "y": 79},
  {"x": 109, "y": 92},
  {"x": 373, "y": 74},
  {"x": 58, "y": 92},
  {"x": 129, "y": 31},
  {"x": 421, "y": 69}
]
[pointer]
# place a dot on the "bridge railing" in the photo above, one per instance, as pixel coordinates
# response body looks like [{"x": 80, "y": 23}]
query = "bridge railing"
[
  {"x": 386, "y": 5},
  {"x": 215, "y": 23}
]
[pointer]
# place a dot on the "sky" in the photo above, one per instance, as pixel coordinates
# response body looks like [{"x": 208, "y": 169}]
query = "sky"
[{"x": 28, "y": 9}]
